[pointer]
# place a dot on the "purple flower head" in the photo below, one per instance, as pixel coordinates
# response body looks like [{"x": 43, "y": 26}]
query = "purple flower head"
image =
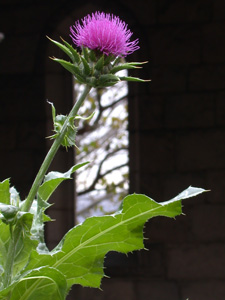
[{"x": 104, "y": 32}]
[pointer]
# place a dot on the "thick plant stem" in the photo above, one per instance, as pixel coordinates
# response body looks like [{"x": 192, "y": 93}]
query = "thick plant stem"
[{"x": 51, "y": 153}]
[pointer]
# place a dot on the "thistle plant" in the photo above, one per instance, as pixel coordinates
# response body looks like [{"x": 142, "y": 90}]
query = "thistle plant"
[{"x": 28, "y": 269}]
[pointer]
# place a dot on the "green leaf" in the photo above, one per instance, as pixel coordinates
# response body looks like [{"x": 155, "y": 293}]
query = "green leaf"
[
  {"x": 75, "y": 55},
  {"x": 14, "y": 197},
  {"x": 84, "y": 247},
  {"x": 110, "y": 58},
  {"x": 69, "y": 66},
  {"x": 25, "y": 243},
  {"x": 129, "y": 78},
  {"x": 86, "y": 68},
  {"x": 100, "y": 64},
  {"x": 92, "y": 56},
  {"x": 4, "y": 243},
  {"x": 40, "y": 284},
  {"x": 53, "y": 111},
  {"x": 85, "y": 53},
  {"x": 4, "y": 192},
  {"x": 63, "y": 48},
  {"x": 37, "y": 230},
  {"x": 53, "y": 179},
  {"x": 131, "y": 65},
  {"x": 107, "y": 80},
  {"x": 85, "y": 118}
]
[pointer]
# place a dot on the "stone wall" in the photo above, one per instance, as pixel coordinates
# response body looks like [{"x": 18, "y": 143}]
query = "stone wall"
[{"x": 177, "y": 134}]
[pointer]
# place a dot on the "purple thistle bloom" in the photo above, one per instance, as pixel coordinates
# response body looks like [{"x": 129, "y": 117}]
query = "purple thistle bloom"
[{"x": 104, "y": 32}]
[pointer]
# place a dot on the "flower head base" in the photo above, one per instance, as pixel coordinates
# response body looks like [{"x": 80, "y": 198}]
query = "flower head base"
[
  {"x": 104, "y": 32},
  {"x": 105, "y": 41}
]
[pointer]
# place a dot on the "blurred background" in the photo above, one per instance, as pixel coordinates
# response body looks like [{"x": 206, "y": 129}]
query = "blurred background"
[{"x": 175, "y": 134}]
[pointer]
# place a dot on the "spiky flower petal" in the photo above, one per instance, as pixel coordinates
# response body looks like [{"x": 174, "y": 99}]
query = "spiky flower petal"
[{"x": 104, "y": 32}]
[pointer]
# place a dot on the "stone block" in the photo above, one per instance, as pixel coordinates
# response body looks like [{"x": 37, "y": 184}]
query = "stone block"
[
  {"x": 156, "y": 290},
  {"x": 218, "y": 10},
  {"x": 220, "y": 109},
  {"x": 111, "y": 289},
  {"x": 84, "y": 293},
  {"x": 208, "y": 222},
  {"x": 184, "y": 11},
  {"x": 151, "y": 184},
  {"x": 19, "y": 54},
  {"x": 157, "y": 152},
  {"x": 22, "y": 98},
  {"x": 200, "y": 150},
  {"x": 150, "y": 112},
  {"x": 167, "y": 79},
  {"x": 175, "y": 45},
  {"x": 196, "y": 261},
  {"x": 164, "y": 230},
  {"x": 215, "y": 182},
  {"x": 17, "y": 165},
  {"x": 17, "y": 18},
  {"x": 150, "y": 262},
  {"x": 214, "y": 42},
  {"x": 203, "y": 290},
  {"x": 31, "y": 135},
  {"x": 118, "y": 289},
  {"x": 190, "y": 110},
  {"x": 207, "y": 77},
  {"x": 145, "y": 11},
  {"x": 8, "y": 136}
]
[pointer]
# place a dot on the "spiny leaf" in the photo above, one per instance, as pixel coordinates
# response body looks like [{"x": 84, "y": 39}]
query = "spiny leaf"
[
  {"x": 85, "y": 53},
  {"x": 129, "y": 78},
  {"x": 109, "y": 59},
  {"x": 25, "y": 244},
  {"x": 86, "y": 68},
  {"x": 63, "y": 48},
  {"x": 100, "y": 64},
  {"x": 53, "y": 179},
  {"x": 126, "y": 66},
  {"x": 75, "y": 54},
  {"x": 107, "y": 80},
  {"x": 4, "y": 242},
  {"x": 40, "y": 284},
  {"x": 83, "y": 248},
  {"x": 92, "y": 56},
  {"x": 68, "y": 66}
]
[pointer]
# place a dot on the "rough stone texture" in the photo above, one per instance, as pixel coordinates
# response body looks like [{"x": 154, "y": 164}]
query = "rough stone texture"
[
  {"x": 177, "y": 133},
  {"x": 207, "y": 290},
  {"x": 156, "y": 289},
  {"x": 196, "y": 261}
]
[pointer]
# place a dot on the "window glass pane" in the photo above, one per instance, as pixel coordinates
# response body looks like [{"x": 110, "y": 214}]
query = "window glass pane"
[{"x": 103, "y": 141}]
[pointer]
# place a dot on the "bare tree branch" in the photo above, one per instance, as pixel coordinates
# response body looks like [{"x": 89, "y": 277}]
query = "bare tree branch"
[
  {"x": 97, "y": 201},
  {"x": 99, "y": 175},
  {"x": 87, "y": 128}
]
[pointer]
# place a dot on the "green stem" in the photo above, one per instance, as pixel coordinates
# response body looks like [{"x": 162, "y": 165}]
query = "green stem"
[
  {"x": 15, "y": 236},
  {"x": 51, "y": 153},
  {"x": 16, "y": 232}
]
